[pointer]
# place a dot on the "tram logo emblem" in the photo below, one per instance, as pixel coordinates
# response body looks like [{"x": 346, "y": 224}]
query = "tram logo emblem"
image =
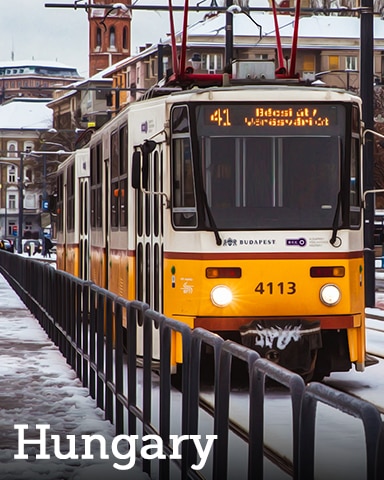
[
  {"x": 230, "y": 242},
  {"x": 296, "y": 242},
  {"x": 144, "y": 127},
  {"x": 186, "y": 288}
]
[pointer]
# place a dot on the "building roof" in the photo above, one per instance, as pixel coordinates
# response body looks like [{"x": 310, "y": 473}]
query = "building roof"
[
  {"x": 332, "y": 27},
  {"x": 33, "y": 63},
  {"x": 26, "y": 114}
]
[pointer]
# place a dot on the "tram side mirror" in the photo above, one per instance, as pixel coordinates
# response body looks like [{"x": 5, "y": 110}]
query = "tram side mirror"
[
  {"x": 136, "y": 170},
  {"x": 147, "y": 148},
  {"x": 140, "y": 164}
]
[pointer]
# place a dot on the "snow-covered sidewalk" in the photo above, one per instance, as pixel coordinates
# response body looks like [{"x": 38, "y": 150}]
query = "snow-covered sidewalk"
[{"x": 37, "y": 387}]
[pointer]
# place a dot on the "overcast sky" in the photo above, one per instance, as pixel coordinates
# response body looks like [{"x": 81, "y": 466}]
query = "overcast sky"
[{"x": 30, "y": 30}]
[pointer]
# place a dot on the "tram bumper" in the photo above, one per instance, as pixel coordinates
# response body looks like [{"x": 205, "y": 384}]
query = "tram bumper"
[{"x": 291, "y": 343}]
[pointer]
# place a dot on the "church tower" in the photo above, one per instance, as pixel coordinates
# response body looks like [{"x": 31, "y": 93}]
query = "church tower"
[{"x": 109, "y": 35}]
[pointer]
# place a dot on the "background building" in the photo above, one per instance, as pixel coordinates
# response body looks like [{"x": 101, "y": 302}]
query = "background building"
[
  {"x": 109, "y": 36},
  {"x": 22, "y": 124},
  {"x": 33, "y": 79}
]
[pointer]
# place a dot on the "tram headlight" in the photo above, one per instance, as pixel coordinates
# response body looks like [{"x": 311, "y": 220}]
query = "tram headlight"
[
  {"x": 330, "y": 294},
  {"x": 221, "y": 296}
]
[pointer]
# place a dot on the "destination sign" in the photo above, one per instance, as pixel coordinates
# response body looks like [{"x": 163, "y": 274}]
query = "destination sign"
[{"x": 271, "y": 116}]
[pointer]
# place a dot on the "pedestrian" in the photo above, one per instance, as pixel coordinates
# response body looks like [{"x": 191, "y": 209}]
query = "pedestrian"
[{"x": 47, "y": 245}]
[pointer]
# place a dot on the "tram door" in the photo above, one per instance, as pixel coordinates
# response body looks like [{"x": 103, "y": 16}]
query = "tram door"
[
  {"x": 149, "y": 246},
  {"x": 84, "y": 197},
  {"x": 84, "y": 229}
]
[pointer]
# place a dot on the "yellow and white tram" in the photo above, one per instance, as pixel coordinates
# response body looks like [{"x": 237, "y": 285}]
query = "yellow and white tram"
[{"x": 237, "y": 209}]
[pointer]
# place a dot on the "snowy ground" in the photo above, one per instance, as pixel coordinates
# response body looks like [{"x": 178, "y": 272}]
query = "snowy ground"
[{"x": 37, "y": 387}]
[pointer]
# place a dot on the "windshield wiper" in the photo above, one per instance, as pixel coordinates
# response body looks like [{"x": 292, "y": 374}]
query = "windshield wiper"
[
  {"x": 212, "y": 222},
  {"x": 335, "y": 223}
]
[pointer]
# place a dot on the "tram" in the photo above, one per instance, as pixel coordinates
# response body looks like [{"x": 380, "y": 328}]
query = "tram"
[{"x": 233, "y": 207}]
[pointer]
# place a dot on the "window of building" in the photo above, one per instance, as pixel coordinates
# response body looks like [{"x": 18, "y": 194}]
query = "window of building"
[
  {"x": 333, "y": 62},
  {"x": 308, "y": 72},
  {"x": 11, "y": 226},
  {"x": 11, "y": 201},
  {"x": 351, "y": 63},
  {"x": 212, "y": 62},
  {"x": 30, "y": 201},
  {"x": 98, "y": 37},
  {"x": 309, "y": 63},
  {"x": 28, "y": 146},
  {"x": 11, "y": 174},
  {"x": 112, "y": 37},
  {"x": 150, "y": 68},
  {"x": 165, "y": 64},
  {"x": 12, "y": 149},
  {"x": 125, "y": 38}
]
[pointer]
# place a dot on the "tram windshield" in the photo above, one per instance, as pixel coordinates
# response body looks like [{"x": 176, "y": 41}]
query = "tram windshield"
[{"x": 271, "y": 166}]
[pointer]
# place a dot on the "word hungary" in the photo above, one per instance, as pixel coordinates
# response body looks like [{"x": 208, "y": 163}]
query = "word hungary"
[{"x": 149, "y": 451}]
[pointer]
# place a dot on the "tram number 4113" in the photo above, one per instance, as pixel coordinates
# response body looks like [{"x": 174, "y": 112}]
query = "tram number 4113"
[{"x": 287, "y": 288}]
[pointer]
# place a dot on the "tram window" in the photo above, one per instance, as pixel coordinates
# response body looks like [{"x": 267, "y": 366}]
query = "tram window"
[
  {"x": 115, "y": 161},
  {"x": 59, "y": 205},
  {"x": 271, "y": 182},
  {"x": 156, "y": 188},
  {"x": 354, "y": 196},
  {"x": 258, "y": 165},
  {"x": 272, "y": 166},
  {"x": 180, "y": 121},
  {"x": 115, "y": 204},
  {"x": 184, "y": 201},
  {"x": 93, "y": 203},
  {"x": 123, "y": 149},
  {"x": 221, "y": 169},
  {"x": 123, "y": 202},
  {"x": 96, "y": 187},
  {"x": 355, "y": 120},
  {"x": 249, "y": 183},
  {"x": 71, "y": 198},
  {"x": 98, "y": 208},
  {"x": 119, "y": 179},
  {"x": 311, "y": 174}
]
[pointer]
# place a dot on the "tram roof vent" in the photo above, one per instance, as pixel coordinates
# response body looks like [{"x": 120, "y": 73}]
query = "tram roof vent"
[{"x": 253, "y": 70}]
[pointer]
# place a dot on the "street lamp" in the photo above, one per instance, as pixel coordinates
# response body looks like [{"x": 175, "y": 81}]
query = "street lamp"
[
  {"x": 21, "y": 200},
  {"x": 21, "y": 204}
]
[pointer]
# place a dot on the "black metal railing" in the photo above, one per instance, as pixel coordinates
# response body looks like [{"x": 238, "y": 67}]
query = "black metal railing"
[{"x": 103, "y": 336}]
